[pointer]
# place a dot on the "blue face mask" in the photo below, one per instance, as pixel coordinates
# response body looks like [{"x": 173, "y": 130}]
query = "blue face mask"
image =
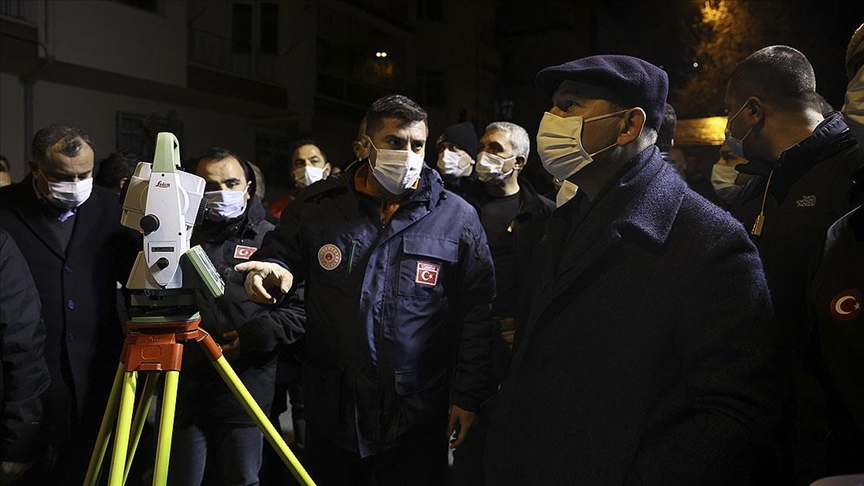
[{"x": 736, "y": 145}]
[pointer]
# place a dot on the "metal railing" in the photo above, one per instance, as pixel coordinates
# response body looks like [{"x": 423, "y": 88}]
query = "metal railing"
[
  {"x": 19, "y": 10},
  {"x": 214, "y": 51}
]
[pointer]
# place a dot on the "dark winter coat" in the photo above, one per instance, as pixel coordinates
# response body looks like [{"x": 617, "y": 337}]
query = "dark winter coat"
[
  {"x": 646, "y": 353},
  {"x": 78, "y": 289},
  {"x": 23, "y": 372},
  {"x": 202, "y": 395},
  {"x": 396, "y": 312}
]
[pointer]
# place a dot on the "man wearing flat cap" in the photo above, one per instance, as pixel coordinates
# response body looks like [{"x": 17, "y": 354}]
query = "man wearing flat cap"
[{"x": 645, "y": 356}]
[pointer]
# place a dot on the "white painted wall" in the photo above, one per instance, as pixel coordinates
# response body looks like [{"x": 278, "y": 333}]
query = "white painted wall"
[
  {"x": 95, "y": 112},
  {"x": 117, "y": 38}
]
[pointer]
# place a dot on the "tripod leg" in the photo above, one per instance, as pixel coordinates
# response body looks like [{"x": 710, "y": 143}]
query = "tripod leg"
[
  {"x": 166, "y": 428},
  {"x": 254, "y": 410},
  {"x": 124, "y": 420},
  {"x": 108, "y": 420},
  {"x": 140, "y": 416}
]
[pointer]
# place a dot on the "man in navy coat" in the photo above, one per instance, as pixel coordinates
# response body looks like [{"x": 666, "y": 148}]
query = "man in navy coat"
[
  {"x": 69, "y": 232},
  {"x": 399, "y": 281},
  {"x": 645, "y": 355}
]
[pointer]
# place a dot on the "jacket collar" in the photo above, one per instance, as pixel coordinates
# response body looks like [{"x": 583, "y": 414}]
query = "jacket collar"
[
  {"x": 641, "y": 203},
  {"x": 797, "y": 160}
]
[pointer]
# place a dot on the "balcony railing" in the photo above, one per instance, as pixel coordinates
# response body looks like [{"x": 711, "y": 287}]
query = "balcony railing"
[
  {"x": 214, "y": 51},
  {"x": 21, "y": 10}
]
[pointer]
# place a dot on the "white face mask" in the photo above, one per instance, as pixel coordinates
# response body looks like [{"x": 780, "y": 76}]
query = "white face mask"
[
  {"x": 736, "y": 145},
  {"x": 453, "y": 163},
  {"x": 723, "y": 180},
  {"x": 395, "y": 170},
  {"x": 307, "y": 175},
  {"x": 559, "y": 143},
  {"x": 225, "y": 205},
  {"x": 565, "y": 193},
  {"x": 853, "y": 108},
  {"x": 70, "y": 194},
  {"x": 493, "y": 169}
]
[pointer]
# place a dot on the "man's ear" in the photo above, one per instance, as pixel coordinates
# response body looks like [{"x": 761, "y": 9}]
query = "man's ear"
[
  {"x": 32, "y": 164},
  {"x": 520, "y": 162},
  {"x": 754, "y": 110},
  {"x": 634, "y": 122},
  {"x": 327, "y": 170}
]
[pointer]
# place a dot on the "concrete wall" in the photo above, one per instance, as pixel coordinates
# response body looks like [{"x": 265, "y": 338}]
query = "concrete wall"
[
  {"x": 117, "y": 38},
  {"x": 95, "y": 112}
]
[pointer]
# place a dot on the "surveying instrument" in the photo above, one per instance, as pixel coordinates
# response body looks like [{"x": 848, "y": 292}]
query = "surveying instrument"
[{"x": 164, "y": 204}]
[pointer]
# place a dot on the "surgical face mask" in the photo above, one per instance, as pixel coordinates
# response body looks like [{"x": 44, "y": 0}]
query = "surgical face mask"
[
  {"x": 736, "y": 145},
  {"x": 456, "y": 164},
  {"x": 396, "y": 170},
  {"x": 307, "y": 175},
  {"x": 491, "y": 168},
  {"x": 225, "y": 205},
  {"x": 565, "y": 193},
  {"x": 853, "y": 107},
  {"x": 723, "y": 181},
  {"x": 559, "y": 144},
  {"x": 70, "y": 194}
]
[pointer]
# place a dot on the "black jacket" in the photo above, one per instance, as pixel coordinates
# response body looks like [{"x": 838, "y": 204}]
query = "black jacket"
[
  {"x": 202, "y": 394},
  {"x": 23, "y": 372},
  {"x": 78, "y": 289}
]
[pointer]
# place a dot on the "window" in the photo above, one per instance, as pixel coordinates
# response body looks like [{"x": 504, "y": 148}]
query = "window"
[
  {"x": 432, "y": 10},
  {"x": 504, "y": 109},
  {"x": 269, "y": 28},
  {"x": 241, "y": 27},
  {"x": 430, "y": 88}
]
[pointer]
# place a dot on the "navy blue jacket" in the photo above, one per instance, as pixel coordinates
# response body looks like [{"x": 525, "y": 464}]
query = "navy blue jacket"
[
  {"x": 646, "y": 352},
  {"x": 396, "y": 312}
]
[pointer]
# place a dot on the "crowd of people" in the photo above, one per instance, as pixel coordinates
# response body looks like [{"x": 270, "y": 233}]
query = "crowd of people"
[{"x": 625, "y": 328}]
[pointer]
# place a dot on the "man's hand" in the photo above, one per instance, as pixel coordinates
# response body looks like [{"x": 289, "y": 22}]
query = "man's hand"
[
  {"x": 464, "y": 419},
  {"x": 231, "y": 349},
  {"x": 10, "y": 471},
  {"x": 263, "y": 275}
]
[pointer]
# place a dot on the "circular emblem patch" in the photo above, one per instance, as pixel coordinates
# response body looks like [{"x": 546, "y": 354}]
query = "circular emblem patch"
[
  {"x": 846, "y": 305},
  {"x": 329, "y": 257}
]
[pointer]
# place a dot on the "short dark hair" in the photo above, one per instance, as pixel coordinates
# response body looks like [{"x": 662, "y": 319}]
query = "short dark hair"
[
  {"x": 218, "y": 153},
  {"x": 50, "y": 135},
  {"x": 780, "y": 75},
  {"x": 307, "y": 141},
  {"x": 667, "y": 129},
  {"x": 114, "y": 168},
  {"x": 393, "y": 106}
]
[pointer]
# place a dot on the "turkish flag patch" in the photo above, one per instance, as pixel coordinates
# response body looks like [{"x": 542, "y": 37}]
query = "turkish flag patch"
[
  {"x": 846, "y": 305},
  {"x": 427, "y": 273},
  {"x": 244, "y": 252}
]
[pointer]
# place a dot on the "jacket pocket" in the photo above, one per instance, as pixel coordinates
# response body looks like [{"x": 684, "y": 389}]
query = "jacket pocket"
[
  {"x": 423, "y": 395},
  {"x": 423, "y": 267}
]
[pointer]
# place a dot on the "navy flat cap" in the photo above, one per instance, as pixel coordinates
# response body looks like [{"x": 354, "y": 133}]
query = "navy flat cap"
[{"x": 635, "y": 81}]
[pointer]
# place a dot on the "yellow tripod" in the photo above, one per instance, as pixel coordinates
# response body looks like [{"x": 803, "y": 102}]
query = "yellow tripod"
[{"x": 154, "y": 346}]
